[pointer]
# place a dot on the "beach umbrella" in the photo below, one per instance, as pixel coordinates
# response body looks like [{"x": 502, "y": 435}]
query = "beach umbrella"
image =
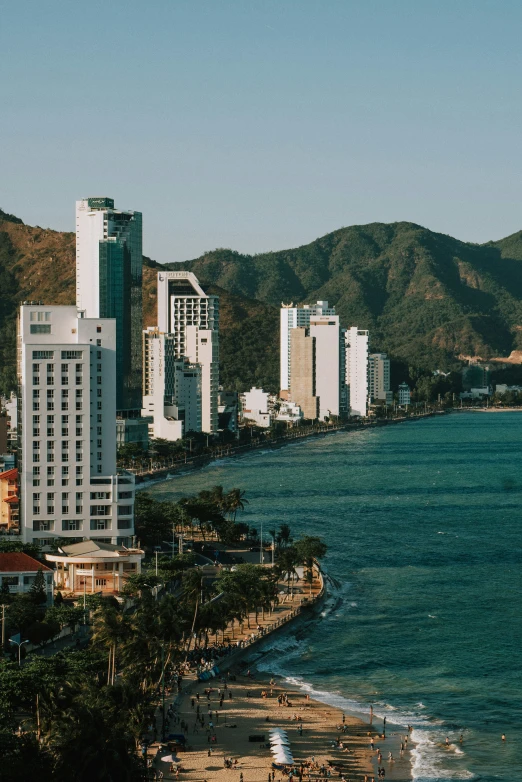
[
  {"x": 171, "y": 759},
  {"x": 277, "y": 732},
  {"x": 279, "y": 740},
  {"x": 284, "y": 758}
]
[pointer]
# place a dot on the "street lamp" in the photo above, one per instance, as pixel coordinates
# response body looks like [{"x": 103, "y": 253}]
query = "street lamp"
[{"x": 19, "y": 644}]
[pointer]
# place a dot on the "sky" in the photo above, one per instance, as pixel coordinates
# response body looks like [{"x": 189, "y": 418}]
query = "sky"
[{"x": 262, "y": 124}]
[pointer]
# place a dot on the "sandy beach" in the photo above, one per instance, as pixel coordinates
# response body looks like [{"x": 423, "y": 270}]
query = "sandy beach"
[{"x": 245, "y": 712}]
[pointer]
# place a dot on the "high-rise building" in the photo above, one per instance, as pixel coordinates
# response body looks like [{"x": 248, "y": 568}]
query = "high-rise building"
[
  {"x": 404, "y": 394},
  {"x": 69, "y": 485},
  {"x": 379, "y": 378},
  {"x": 109, "y": 285},
  {"x": 356, "y": 343},
  {"x": 171, "y": 387},
  {"x": 330, "y": 381},
  {"x": 303, "y": 363},
  {"x": 292, "y": 318},
  {"x": 192, "y": 317}
]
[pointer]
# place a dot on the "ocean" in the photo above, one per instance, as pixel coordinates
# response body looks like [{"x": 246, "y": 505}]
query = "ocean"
[{"x": 423, "y": 522}]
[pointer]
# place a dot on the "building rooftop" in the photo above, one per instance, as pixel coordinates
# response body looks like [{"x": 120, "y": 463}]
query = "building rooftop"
[
  {"x": 18, "y": 562},
  {"x": 9, "y": 475},
  {"x": 92, "y": 548}
]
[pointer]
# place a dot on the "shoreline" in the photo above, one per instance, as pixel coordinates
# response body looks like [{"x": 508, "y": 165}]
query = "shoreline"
[
  {"x": 249, "y": 713},
  {"x": 200, "y": 462}
]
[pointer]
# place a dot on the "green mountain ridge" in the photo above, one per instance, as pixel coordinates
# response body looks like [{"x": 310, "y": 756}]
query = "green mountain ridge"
[{"x": 426, "y": 298}]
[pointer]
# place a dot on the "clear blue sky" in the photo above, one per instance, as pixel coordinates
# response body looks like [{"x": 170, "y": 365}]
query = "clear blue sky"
[{"x": 263, "y": 125}]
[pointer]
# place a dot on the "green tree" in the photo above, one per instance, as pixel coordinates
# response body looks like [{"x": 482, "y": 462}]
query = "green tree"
[{"x": 38, "y": 591}]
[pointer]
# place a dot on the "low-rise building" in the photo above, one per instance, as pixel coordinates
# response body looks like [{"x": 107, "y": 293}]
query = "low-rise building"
[
  {"x": 18, "y": 572},
  {"x": 503, "y": 388},
  {"x": 9, "y": 503},
  {"x": 290, "y": 412},
  {"x": 476, "y": 393},
  {"x": 228, "y": 411},
  {"x": 254, "y": 407},
  {"x": 404, "y": 394},
  {"x": 91, "y": 566}
]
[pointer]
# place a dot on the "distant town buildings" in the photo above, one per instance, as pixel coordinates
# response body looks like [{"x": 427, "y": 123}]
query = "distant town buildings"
[
  {"x": 69, "y": 486},
  {"x": 191, "y": 316}
]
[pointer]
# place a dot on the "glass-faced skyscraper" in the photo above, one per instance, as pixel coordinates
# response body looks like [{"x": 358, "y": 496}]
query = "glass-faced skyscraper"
[{"x": 109, "y": 285}]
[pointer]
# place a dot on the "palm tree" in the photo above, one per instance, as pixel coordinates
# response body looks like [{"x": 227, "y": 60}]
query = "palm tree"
[
  {"x": 111, "y": 627},
  {"x": 236, "y": 501}
]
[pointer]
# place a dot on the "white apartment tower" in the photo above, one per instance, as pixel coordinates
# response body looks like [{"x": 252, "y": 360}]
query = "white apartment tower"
[
  {"x": 356, "y": 343},
  {"x": 379, "y": 378},
  {"x": 171, "y": 387},
  {"x": 330, "y": 381},
  {"x": 192, "y": 317},
  {"x": 292, "y": 318},
  {"x": 109, "y": 285},
  {"x": 66, "y": 435}
]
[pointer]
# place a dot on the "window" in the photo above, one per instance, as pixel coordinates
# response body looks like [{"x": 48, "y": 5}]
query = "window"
[
  {"x": 98, "y": 354},
  {"x": 50, "y": 380},
  {"x": 70, "y": 525},
  {"x": 79, "y": 456},
  {"x": 40, "y": 316},
  {"x": 65, "y": 470},
  {"x": 99, "y": 444},
  {"x": 79, "y": 470},
  {"x": 50, "y": 471},
  {"x": 98, "y": 329},
  {"x": 65, "y": 393},
  {"x": 43, "y": 354},
  {"x": 36, "y": 457},
  {"x": 36, "y": 445},
  {"x": 98, "y": 368},
  {"x": 65, "y": 481},
  {"x": 50, "y": 431},
  {"x": 98, "y": 524},
  {"x": 100, "y": 582},
  {"x": 100, "y": 495},
  {"x": 65, "y": 369},
  {"x": 71, "y": 355},
  {"x": 98, "y": 456},
  {"x": 124, "y": 523},
  {"x": 50, "y": 420},
  {"x": 37, "y": 329},
  {"x": 98, "y": 406},
  {"x": 36, "y": 496},
  {"x": 79, "y": 481},
  {"x": 78, "y": 419},
  {"x": 50, "y": 445},
  {"x": 10, "y": 580},
  {"x": 125, "y": 495},
  {"x": 36, "y": 471},
  {"x": 65, "y": 419},
  {"x": 99, "y": 380},
  {"x": 124, "y": 510},
  {"x": 98, "y": 342},
  {"x": 36, "y": 420},
  {"x": 36, "y": 393},
  {"x": 100, "y": 510},
  {"x": 98, "y": 392},
  {"x": 98, "y": 430},
  {"x": 50, "y": 456},
  {"x": 79, "y": 393},
  {"x": 65, "y": 445},
  {"x": 98, "y": 417},
  {"x": 36, "y": 510},
  {"x": 36, "y": 380}
]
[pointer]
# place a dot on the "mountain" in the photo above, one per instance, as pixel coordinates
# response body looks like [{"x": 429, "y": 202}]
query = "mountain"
[
  {"x": 427, "y": 299},
  {"x": 39, "y": 264}
]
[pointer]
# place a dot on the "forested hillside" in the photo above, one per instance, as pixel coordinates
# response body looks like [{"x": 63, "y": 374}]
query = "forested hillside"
[{"x": 428, "y": 299}]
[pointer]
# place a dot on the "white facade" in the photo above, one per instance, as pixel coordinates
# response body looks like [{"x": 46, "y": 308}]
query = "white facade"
[
  {"x": 192, "y": 317},
  {"x": 404, "y": 394},
  {"x": 291, "y": 318},
  {"x": 329, "y": 364},
  {"x": 379, "y": 378},
  {"x": 254, "y": 406},
  {"x": 290, "y": 412},
  {"x": 172, "y": 388},
  {"x": 356, "y": 343},
  {"x": 69, "y": 485}
]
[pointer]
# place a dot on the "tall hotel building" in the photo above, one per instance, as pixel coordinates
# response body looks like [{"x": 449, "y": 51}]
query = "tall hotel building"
[
  {"x": 293, "y": 318},
  {"x": 109, "y": 285},
  {"x": 192, "y": 317},
  {"x": 66, "y": 364},
  {"x": 356, "y": 343}
]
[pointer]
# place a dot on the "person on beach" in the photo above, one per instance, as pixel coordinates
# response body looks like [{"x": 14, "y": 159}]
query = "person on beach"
[
  {"x": 503, "y": 737},
  {"x": 371, "y": 717},
  {"x": 371, "y": 742}
]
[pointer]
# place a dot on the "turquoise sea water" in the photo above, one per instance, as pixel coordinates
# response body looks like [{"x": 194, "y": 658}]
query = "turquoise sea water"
[{"x": 424, "y": 527}]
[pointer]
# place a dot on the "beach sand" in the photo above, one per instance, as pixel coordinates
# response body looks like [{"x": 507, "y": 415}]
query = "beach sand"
[{"x": 246, "y": 714}]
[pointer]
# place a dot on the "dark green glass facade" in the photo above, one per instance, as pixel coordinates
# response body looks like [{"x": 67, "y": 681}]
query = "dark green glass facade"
[{"x": 120, "y": 270}]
